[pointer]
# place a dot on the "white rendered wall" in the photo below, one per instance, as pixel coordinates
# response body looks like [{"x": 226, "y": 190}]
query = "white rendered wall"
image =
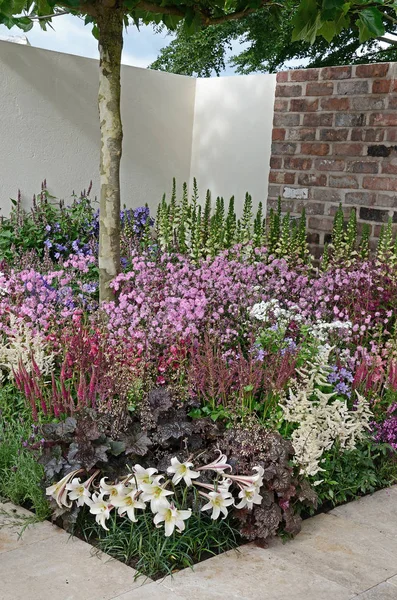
[
  {"x": 232, "y": 136},
  {"x": 217, "y": 130},
  {"x": 49, "y": 126}
]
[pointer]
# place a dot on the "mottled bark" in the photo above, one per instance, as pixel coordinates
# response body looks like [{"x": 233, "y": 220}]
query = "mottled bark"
[{"x": 110, "y": 42}]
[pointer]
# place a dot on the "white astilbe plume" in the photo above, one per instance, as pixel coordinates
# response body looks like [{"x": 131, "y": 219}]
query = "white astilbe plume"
[
  {"x": 322, "y": 419},
  {"x": 22, "y": 344}
]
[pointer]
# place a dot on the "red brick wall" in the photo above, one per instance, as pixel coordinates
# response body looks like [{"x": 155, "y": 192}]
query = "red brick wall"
[{"x": 335, "y": 140}]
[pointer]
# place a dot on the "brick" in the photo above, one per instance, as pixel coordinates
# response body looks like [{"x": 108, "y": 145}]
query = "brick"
[
  {"x": 274, "y": 191},
  {"x": 343, "y": 181},
  {"x": 276, "y": 162},
  {"x": 381, "y": 86},
  {"x": 386, "y": 200},
  {"x": 287, "y": 205},
  {"x": 278, "y": 134},
  {"x": 389, "y": 184},
  {"x": 315, "y": 149},
  {"x": 281, "y": 177},
  {"x": 392, "y": 102},
  {"x": 373, "y": 214},
  {"x": 313, "y": 238},
  {"x": 360, "y": 166},
  {"x": 316, "y": 252},
  {"x": 301, "y": 134},
  {"x": 297, "y": 163},
  {"x": 335, "y": 103},
  {"x": 327, "y": 195},
  {"x": 332, "y": 210},
  {"x": 334, "y": 135},
  {"x": 360, "y": 198},
  {"x": 321, "y": 223},
  {"x": 378, "y": 70},
  {"x": 295, "y": 193},
  {"x": 318, "y": 119},
  {"x": 352, "y": 88},
  {"x": 394, "y": 86},
  {"x": 389, "y": 167},
  {"x": 383, "y": 119},
  {"x": 369, "y": 103},
  {"x": 391, "y": 135},
  {"x": 282, "y": 77},
  {"x": 312, "y": 208},
  {"x": 350, "y": 120},
  {"x": 320, "y": 89},
  {"x": 310, "y": 179},
  {"x": 336, "y": 73},
  {"x": 377, "y": 230},
  {"x": 288, "y": 91},
  {"x": 325, "y": 164},
  {"x": 286, "y": 120},
  {"x": 367, "y": 135},
  {"x": 303, "y": 105},
  {"x": 280, "y": 148},
  {"x": 348, "y": 149},
  {"x": 304, "y": 75},
  {"x": 380, "y": 150},
  {"x": 280, "y": 105}
]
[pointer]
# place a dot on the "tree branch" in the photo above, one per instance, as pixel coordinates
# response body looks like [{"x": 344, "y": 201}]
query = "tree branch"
[{"x": 42, "y": 17}]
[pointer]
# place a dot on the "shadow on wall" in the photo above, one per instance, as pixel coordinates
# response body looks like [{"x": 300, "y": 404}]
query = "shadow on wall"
[{"x": 232, "y": 136}]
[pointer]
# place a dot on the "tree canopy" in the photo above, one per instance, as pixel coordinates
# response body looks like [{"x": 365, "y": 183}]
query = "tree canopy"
[{"x": 266, "y": 43}]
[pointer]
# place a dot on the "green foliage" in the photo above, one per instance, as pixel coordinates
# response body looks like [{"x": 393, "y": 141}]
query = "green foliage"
[
  {"x": 145, "y": 548},
  {"x": 20, "y": 474},
  {"x": 353, "y": 473},
  {"x": 268, "y": 44},
  {"x": 185, "y": 226},
  {"x": 49, "y": 227}
]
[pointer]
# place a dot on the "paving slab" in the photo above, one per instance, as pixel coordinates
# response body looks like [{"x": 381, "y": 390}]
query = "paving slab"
[
  {"x": 347, "y": 554},
  {"x": 378, "y": 510},
  {"x": 383, "y": 591},
  {"x": 252, "y": 574},
  {"x": 48, "y": 563},
  {"x": 11, "y": 524},
  {"x": 343, "y": 551}
]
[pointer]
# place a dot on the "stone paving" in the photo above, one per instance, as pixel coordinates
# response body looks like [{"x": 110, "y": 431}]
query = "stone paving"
[{"x": 349, "y": 553}]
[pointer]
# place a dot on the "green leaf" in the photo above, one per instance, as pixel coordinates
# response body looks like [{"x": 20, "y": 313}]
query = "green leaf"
[
  {"x": 370, "y": 24},
  {"x": 307, "y": 21}
]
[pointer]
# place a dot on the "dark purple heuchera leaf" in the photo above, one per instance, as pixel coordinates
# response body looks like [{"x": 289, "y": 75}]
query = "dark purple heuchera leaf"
[
  {"x": 251, "y": 446},
  {"x": 159, "y": 400}
]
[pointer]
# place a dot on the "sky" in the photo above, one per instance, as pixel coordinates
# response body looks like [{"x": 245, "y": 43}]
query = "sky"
[{"x": 70, "y": 35}]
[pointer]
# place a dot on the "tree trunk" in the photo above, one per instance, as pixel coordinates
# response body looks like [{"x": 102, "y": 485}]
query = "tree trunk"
[{"x": 110, "y": 42}]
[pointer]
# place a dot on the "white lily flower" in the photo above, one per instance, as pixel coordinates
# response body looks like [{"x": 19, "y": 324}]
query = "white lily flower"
[
  {"x": 218, "y": 501},
  {"x": 114, "y": 490},
  {"x": 249, "y": 496},
  {"x": 78, "y": 491},
  {"x": 59, "y": 492},
  {"x": 172, "y": 517},
  {"x": 101, "y": 509},
  {"x": 219, "y": 464},
  {"x": 143, "y": 475},
  {"x": 182, "y": 471},
  {"x": 250, "y": 480},
  {"x": 128, "y": 504},
  {"x": 156, "y": 494}
]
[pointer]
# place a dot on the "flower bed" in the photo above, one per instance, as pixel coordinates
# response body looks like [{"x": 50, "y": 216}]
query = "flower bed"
[{"x": 232, "y": 389}]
